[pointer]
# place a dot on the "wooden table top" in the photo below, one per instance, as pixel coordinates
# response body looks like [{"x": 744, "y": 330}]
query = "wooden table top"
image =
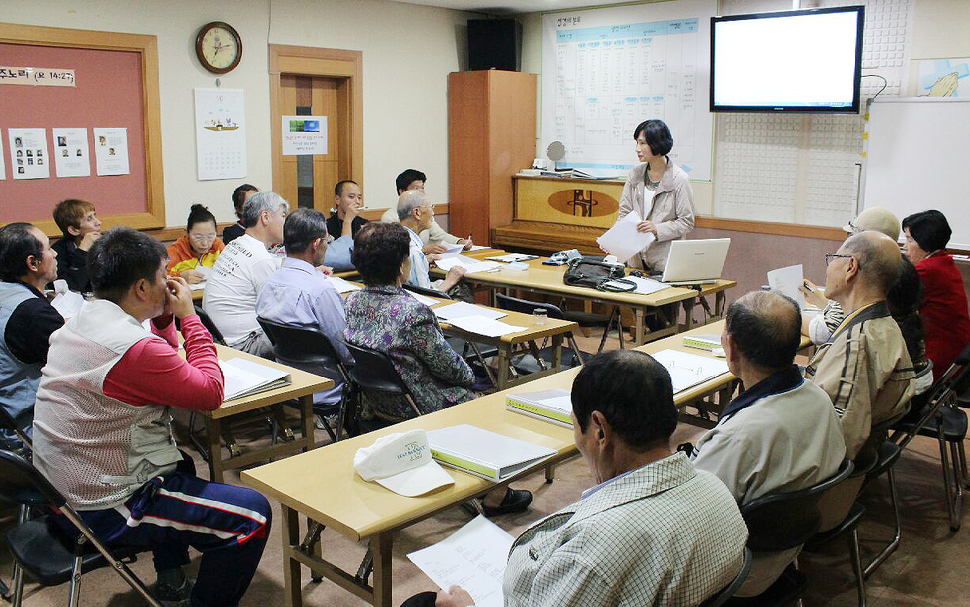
[{"x": 322, "y": 483}]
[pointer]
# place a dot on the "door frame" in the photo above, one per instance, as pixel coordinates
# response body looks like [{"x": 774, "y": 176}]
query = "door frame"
[{"x": 347, "y": 66}]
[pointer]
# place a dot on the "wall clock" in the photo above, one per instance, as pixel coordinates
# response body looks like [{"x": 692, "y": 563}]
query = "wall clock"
[{"x": 218, "y": 47}]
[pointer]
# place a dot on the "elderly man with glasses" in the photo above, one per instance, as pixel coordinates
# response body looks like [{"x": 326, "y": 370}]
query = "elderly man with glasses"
[{"x": 864, "y": 367}]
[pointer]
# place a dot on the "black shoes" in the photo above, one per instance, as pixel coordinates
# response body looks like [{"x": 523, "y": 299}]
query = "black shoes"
[{"x": 515, "y": 500}]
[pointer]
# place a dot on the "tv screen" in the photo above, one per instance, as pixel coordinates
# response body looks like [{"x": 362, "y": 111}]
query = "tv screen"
[{"x": 795, "y": 61}]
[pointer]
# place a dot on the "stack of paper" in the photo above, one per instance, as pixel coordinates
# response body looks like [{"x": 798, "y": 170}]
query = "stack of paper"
[
  {"x": 470, "y": 265},
  {"x": 687, "y": 369},
  {"x": 474, "y": 557},
  {"x": 483, "y": 325},
  {"x": 342, "y": 285},
  {"x": 428, "y": 301},
  {"x": 245, "y": 377},
  {"x": 452, "y": 249},
  {"x": 623, "y": 239},
  {"x": 510, "y": 257},
  {"x": 461, "y": 309},
  {"x": 484, "y": 453},
  {"x": 550, "y": 405},
  {"x": 477, "y": 247}
]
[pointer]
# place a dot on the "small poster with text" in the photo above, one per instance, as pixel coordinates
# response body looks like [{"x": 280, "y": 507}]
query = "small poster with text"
[
  {"x": 111, "y": 151},
  {"x": 304, "y": 135},
  {"x": 71, "y": 155},
  {"x": 28, "y": 153}
]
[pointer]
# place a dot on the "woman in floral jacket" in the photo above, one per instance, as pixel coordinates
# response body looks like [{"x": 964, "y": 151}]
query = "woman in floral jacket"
[{"x": 386, "y": 318}]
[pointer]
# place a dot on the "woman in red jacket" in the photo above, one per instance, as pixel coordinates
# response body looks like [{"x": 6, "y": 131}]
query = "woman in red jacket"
[{"x": 944, "y": 309}]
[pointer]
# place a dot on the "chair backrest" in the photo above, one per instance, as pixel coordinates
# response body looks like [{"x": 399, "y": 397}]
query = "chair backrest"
[
  {"x": 22, "y": 483},
  {"x": 515, "y": 304},
  {"x": 945, "y": 389},
  {"x": 781, "y": 521},
  {"x": 299, "y": 343},
  {"x": 426, "y": 292},
  {"x": 728, "y": 591},
  {"x": 211, "y": 326},
  {"x": 374, "y": 371}
]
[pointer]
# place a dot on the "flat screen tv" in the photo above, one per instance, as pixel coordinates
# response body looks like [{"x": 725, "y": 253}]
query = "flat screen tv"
[{"x": 793, "y": 61}]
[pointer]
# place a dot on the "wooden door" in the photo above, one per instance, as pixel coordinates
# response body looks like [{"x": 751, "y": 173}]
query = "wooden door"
[{"x": 308, "y": 180}]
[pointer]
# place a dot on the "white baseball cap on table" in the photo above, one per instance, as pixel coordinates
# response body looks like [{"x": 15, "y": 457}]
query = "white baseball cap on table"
[{"x": 402, "y": 463}]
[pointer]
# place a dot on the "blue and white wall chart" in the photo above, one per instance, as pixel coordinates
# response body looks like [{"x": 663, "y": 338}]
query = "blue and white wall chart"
[{"x": 606, "y": 70}]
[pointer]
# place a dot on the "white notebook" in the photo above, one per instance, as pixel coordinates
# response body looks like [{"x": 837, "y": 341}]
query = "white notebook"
[
  {"x": 460, "y": 309},
  {"x": 484, "y": 453},
  {"x": 688, "y": 369},
  {"x": 244, "y": 377}
]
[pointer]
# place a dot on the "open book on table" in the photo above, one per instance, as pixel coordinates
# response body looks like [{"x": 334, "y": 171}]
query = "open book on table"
[{"x": 245, "y": 377}]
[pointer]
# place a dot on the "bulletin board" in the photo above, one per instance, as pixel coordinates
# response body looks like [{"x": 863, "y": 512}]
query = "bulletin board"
[{"x": 116, "y": 86}]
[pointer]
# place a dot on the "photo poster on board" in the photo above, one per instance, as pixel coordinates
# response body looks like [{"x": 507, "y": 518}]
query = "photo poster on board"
[
  {"x": 71, "y": 156},
  {"x": 220, "y": 133},
  {"x": 304, "y": 135},
  {"x": 606, "y": 70},
  {"x": 28, "y": 153},
  {"x": 111, "y": 151}
]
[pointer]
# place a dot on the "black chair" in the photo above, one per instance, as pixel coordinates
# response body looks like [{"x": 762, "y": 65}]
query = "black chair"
[
  {"x": 374, "y": 372},
  {"x": 211, "y": 326},
  {"x": 43, "y": 553},
  {"x": 783, "y": 521},
  {"x": 14, "y": 592},
  {"x": 312, "y": 351},
  {"x": 942, "y": 420},
  {"x": 515, "y": 304},
  {"x": 728, "y": 591}
]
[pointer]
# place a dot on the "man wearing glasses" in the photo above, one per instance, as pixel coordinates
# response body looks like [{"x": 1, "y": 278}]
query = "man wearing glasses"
[
  {"x": 819, "y": 327},
  {"x": 864, "y": 367}
]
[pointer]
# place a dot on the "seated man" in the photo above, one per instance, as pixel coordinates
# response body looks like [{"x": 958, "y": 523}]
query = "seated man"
[
  {"x": 653, "y": 531},
  {"x": 864, "y": 367},
  {"x": 342, "y": 225},
  {"x": 80, "y": 227},
  {"x": 299, "y": 294},
  {"x": 780, "y": 434},
  {"x": 103, "y": 435},
  {"x": 819, "y": 326},
  {"x": 27, "y": 263},
  {"x": 239, "y": 273},
  {"x": 239, "y": 197},
  {"x": 413, "y": 180},
  {"x": 416, "y": 213}
]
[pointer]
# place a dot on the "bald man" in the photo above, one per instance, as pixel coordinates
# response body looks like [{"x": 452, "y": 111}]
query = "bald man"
[
  {"x": 781, "y": 433},
  {"x": 864, "y": 367}
]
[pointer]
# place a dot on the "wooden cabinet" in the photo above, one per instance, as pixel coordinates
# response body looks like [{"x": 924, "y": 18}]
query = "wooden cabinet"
[{"x": 491, "y": 136}]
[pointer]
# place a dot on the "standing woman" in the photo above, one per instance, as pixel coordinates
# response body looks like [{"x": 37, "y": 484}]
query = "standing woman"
[
  {"x": 944, "y": 310},
  {"x": 659, "y": 192},
  {"x": 194, "y": 253}
]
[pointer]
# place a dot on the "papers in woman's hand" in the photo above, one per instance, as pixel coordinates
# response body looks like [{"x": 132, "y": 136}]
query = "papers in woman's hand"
[
  {"x": 623, "y": 239},
  {"x": 452, "y": 249},
  {"x": 474, "y": 557}
]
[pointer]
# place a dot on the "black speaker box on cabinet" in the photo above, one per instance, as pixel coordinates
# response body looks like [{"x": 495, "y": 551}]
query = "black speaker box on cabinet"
[{"x": 494, "y": 43}]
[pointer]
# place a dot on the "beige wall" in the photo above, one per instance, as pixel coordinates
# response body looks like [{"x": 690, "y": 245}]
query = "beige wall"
[{"x": 408, "y": 52}]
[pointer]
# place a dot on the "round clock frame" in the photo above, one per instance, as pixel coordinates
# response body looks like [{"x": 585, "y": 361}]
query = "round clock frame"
[{"x": 199, "y": 51}]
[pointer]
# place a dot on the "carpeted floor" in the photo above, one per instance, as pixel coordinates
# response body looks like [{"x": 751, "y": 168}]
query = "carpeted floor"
[{"x": 930, "y": 568}]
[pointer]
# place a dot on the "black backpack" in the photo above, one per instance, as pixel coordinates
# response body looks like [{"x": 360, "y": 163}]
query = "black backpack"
[{"x": 592, "y": 272}]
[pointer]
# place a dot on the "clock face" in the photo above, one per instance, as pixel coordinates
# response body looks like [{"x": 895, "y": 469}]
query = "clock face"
[{"x": 219, "y": 47}]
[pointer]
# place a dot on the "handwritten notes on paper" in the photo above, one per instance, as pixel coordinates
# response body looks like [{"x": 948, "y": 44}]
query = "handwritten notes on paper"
[{"x": 36, "y": 76}]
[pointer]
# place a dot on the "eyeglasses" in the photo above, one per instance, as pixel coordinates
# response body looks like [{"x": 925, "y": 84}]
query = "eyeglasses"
[
  {"x": 830, "y": 256},
  {"x": 202, "y": 237}
]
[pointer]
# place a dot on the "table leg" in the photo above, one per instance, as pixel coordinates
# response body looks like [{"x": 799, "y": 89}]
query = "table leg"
[
  {"x": 720, "y": 298},
  {"x": 292, "y": 584},
  {"x": 688, "y": 314},
  {"x": 381, "y": 547},
  {"x": 503, "y": 366},
  {"x": 213, "y": 430},
  {"x": 306, "y": 422},
  {"x": 639, "y": 312},
  {"x": 557, "y": 352}
]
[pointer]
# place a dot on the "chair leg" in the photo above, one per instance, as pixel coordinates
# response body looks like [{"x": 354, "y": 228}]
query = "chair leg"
[
  {"x": 957, "y": 480},
  {"x": 961, "y": 452},
  {"x": 947, "y": 486},
  {"x": 894, "y": 544},
  {"x": 577, "y": 355},
  {"x": 860, "y": 578},
  {"x": 17, "y": 588},
  {"x": 74, "y": 592}
]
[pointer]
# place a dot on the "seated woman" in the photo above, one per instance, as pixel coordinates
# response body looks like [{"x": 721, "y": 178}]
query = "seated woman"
[
  {"x": 944, "y": 307},
  {"x": 384, "y": 317},
  {"x": 904, "y": 301},
  {"x": 193, "y": 254}
]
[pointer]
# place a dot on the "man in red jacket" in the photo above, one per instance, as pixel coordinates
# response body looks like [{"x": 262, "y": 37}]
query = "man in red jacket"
[{"x": 944, "y": 310}]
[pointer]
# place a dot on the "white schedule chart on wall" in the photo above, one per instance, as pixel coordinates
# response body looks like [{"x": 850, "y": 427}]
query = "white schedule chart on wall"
[{"x": 607, "y": 70}]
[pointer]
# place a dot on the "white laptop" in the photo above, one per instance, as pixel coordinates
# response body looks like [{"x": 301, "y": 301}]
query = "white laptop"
[{"x": 695, "y": 261}]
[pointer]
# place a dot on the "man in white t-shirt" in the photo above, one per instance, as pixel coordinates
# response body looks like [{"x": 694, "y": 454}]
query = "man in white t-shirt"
[{"x": 239, "y": 273}]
